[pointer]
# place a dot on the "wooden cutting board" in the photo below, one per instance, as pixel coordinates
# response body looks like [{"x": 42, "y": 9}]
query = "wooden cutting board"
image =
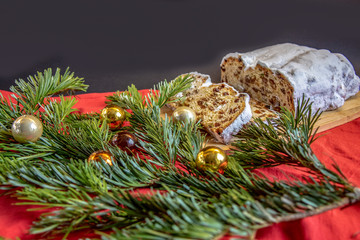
[
  {"x": 348, "y": 112},
  {"x": 329, "y": 119}
]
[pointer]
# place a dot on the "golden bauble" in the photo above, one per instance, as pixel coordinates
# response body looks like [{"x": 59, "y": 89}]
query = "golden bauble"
[
  {"x": 114, "y": 116},
  {"x": 212, "y": 159},
  {"x": 27, "y": 128},
  {"x": 104, "y": 155},
  {"x": 184, "y": 114}
]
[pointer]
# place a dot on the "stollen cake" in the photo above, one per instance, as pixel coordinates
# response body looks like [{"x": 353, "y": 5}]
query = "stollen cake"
[
  {"x": 279, "y": 75},
  {"x": 221, "y": 108}
]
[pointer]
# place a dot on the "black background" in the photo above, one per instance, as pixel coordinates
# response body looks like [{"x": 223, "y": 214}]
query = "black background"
[{"x": 115, "y": 43}]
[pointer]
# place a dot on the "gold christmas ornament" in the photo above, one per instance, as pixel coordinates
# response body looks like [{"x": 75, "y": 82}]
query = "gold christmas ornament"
[
  {"x": 212, "y": 159},
  {"x": 184, "y": 114},
  {"x": 27, "y": 128},
  {"x": 114, "y": 116},
  {"x": 98, "y": 155}
]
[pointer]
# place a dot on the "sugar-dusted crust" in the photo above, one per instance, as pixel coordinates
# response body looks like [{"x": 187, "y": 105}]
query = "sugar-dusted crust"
[
  {"x": 222, "y": 109},
  {"x": 279, "y": 75}
]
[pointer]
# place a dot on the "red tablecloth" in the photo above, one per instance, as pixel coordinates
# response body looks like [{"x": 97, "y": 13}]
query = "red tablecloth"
[{"x": 340, "y": 144}]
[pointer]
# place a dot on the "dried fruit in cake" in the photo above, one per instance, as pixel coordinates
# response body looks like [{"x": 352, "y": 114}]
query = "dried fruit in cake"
[
  {"x": 279, "y": 75},
  {"x": 221, "y": 108},
  {"x": 260, "y": 110}
]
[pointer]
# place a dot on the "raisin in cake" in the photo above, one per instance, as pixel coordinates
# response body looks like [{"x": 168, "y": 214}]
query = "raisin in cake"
[
  {"x": 221, "y": 108},
  {"x": 279, "y": 75}
]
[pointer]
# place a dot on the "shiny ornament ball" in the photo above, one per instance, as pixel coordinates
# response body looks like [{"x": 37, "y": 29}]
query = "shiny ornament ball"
[
  {"x": 27, "y": 128},
  {"x": 212, "y": 159},
  {"x": 98, "y": 155},
  {"x": 125, "y": 140},
  {"x": 184, "y": 114},
  {"x": 114, "y": 116}
]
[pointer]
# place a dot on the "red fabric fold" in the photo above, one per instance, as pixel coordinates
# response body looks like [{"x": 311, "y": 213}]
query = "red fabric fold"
[{"x": 340, "y": 145}]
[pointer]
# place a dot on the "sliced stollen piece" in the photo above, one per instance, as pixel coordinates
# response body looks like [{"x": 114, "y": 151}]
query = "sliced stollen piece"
[
  {"x": 222, "y": 109},
  {"x": 279, "y": 75},
  {"x": 260, "y": 110}
]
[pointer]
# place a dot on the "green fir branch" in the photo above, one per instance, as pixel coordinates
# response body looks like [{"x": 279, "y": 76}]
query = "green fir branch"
[
  {"x": 33, "y": 92},
  {"x": 285, "y": 140},
  {"x": 79, "y": 139},
  {"x": 91, "y": 177},
  {"x": 157, "y": 138},
  {"x": 56, "y": 111},
  {"x": 9, "y": 111},
  {"x": 165, "y": 92},
  {"x": 184, "y": 203},
  {"x": 172, "y": 214}
]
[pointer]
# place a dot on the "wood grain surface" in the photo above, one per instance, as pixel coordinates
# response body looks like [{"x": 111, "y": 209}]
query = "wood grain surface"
[{"x": 348, "y": 112}]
